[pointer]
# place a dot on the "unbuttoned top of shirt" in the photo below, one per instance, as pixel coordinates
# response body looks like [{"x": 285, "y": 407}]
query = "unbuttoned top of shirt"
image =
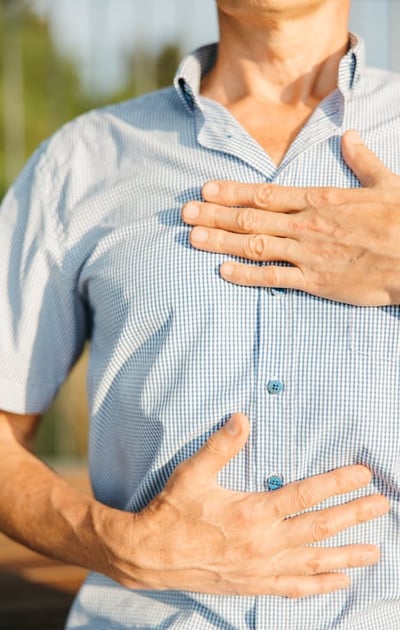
[{"x": 93, "y": 245}]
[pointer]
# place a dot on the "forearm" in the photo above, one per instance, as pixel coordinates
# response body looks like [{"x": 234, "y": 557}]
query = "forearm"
[{"x": 40, "y": 510}]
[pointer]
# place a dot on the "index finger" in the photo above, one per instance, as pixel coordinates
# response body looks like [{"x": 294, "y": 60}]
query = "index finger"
[
  {"x": 280, "y": 198},
  {"x": 302, "y": 495}
]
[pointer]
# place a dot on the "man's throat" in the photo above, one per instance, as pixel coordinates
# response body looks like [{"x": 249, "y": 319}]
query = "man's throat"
[{"x": 273, "y": 126}]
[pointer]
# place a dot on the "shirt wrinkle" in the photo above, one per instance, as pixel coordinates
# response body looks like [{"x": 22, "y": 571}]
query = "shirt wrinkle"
[{"x": 175, "y": 350}]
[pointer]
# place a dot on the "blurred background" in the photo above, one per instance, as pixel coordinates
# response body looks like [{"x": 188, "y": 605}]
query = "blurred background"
[{"x": 60, "y": 58}]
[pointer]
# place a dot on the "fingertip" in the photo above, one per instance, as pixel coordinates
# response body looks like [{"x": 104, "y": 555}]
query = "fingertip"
[
  {"x": 351, "y": 140},
  {"x": 210, "y": 190},
  {"x": 352, "y": 137},
  {"x": 372, "y": 554},
  {"x": 199, "y": 235},
  {"x": 362, "y": 474},
  {"x": 382, "y": 505},
  {"x": 242, "y": 417},
  {"x": 190, "y": 211},
  {"x": 227, "y": 269},
  {"x": 237, "y": 423}
]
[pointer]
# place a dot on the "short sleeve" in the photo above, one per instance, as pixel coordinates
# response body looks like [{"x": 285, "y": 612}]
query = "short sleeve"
[{"x": 43, "y": 320}]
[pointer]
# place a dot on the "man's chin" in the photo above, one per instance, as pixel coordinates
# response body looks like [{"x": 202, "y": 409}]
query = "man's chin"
[{"x": 274, "y": 9}]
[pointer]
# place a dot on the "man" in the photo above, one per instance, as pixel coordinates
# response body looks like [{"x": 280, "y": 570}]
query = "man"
[{"x": 93, "y": 244}]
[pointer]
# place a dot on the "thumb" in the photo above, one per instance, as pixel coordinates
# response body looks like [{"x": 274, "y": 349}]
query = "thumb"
[
  {"x": 221, "y": 447},
  {"x": 363, "y": 162}
]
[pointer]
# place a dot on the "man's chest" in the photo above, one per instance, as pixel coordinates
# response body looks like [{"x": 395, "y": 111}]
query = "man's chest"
[
  {"x": 180, "y": 349},
  {"x": 137, "y": 261}
]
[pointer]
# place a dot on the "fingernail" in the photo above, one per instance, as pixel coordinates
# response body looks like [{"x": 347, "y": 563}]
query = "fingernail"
[
  {"x": 199, "y": 235},
  {"x": 211, "y": 189},
  {"x": 227, "y": 269},
  {"x": 354, "y": 137},
  {"x": 380, "y": 508},
  {"x": 371, "y": 556},
  {"x": 362, "y": 475},
  {"x": 233, "y": 426},
  {"x": 191, "y": 210}
]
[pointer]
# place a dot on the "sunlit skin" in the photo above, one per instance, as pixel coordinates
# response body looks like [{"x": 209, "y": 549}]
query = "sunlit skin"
[
  {"x": 283, "y": 67},
  {"x": 342, "y": 244},
  {"x": 281, "y": 61},
  {"x": 195, "y": 535},
  {"x": 269, "y": 9}
]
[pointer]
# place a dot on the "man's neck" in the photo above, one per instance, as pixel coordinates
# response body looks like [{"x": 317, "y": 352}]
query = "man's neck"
[{"x": 280, "y": 58}]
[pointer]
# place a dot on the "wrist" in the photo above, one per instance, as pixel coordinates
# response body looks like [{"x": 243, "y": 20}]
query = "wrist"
[
  {"x": 75, "y": 522},
  {"x": 117, "y": 541},
  {"x": 133, "y": 548}
]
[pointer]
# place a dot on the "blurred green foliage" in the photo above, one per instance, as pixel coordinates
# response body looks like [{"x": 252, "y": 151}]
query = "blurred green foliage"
[
  {"x": 39, "y": 91},
  {"x": 51, "y": 89}
]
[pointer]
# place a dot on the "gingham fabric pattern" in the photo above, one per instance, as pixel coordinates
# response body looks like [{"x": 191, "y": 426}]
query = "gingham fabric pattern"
[{"x": 92, "y": 245}]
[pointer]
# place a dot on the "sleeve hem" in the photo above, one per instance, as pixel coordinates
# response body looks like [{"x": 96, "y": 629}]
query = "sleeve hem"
[{"x": 25, "y": 398}]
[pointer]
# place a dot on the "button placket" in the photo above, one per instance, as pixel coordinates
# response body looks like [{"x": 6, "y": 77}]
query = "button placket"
[{"x": 271, "y": 434}]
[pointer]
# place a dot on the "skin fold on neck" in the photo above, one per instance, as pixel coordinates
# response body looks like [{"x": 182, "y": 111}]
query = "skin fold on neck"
[{"x": 276, "y": 62}]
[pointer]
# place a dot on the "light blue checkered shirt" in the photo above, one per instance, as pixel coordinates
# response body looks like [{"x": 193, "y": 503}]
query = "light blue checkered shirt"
[{"x": 92, "y": 244}]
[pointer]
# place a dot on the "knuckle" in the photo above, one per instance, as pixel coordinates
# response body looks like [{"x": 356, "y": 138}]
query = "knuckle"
[
  {"x": 214, "y": 445},
  {"x": 294, "y": 592},
  {"x": 322, "y": 281},
  {"x": 247, "y": 220},
  {"x": 322, "y": 197},
  {"x": 320, "y": 529},
  {"x": 295, "y": 224},
  {"x": 218, "y": 239},
  {"x": 215, "y": 216},
  {"x": 368, "y": 509},
  {"x": 263, "y": 195},
  {"x": 330, "y": 197},
  {"x": 277, "y": 565},
  {"x": 256, "y": 247},
  {"x": 246, "y": 275},
  {"x": 305, "y": 497},
  {"x": 313, "y": 223},
  {"x": 272, "y": 277},
  {"x": 275, "y": 510},
  {"x": 338, "y": 479},
  {"x": 313, "y": 565},
  {"x": 312, "y": 197}
]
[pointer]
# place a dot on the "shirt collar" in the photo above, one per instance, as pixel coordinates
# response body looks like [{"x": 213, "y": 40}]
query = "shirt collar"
[
  {"x": 190, "y": 72},
  {"x": 352, "y": 66},
  {"x": 196, "y": 65}
]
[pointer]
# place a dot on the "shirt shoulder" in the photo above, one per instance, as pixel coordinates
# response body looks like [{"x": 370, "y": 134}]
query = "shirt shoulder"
[
  {"x": 93, "y": 132},
  {"x": 380, "y": 84},
  {"x": 95, "y": 150},
  {"x": 374, "y": 108}
]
